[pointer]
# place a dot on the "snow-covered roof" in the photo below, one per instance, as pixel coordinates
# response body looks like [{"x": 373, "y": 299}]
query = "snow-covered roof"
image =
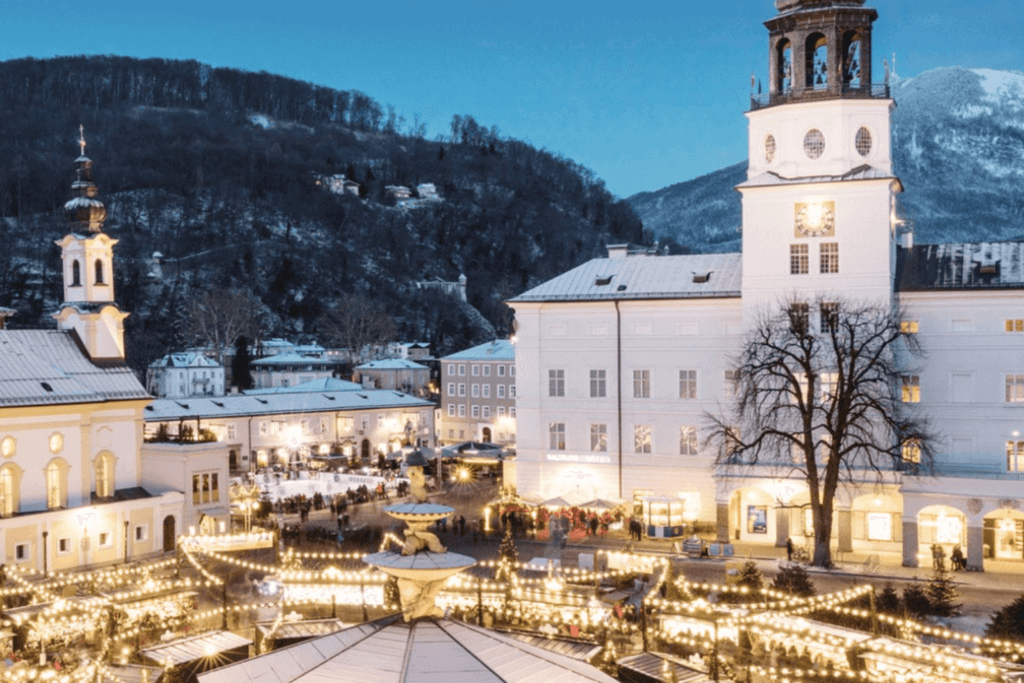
[
  {"x": 43, "y": 367},
  {"x": 292, "y": 358},
  {"x": 644, "y": 277},
  {"x": 187, "y": 359},
  {"x": 972, "y": 265},
  {"x": 499, "y": 349},
  {"x": 195, "y": 647},
  {"x": 323, "y": 384},
  {"x": 423, "y": 651},
  {"x": 246, "y": 405},
  {"x": 771, "y": 179},
  {"x": 392, "y": 364}
]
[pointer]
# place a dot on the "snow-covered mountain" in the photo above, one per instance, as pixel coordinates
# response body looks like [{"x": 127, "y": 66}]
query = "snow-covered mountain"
[{"x": 958, "y": 138}]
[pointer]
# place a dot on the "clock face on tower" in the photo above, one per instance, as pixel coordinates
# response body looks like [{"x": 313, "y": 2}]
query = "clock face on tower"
[{"x": 815, "y": 219}]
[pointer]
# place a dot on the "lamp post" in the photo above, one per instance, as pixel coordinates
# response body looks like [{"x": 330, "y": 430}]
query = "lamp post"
[{"x": 126, "y": 525}]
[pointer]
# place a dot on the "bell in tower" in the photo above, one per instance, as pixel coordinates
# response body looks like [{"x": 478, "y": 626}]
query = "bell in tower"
[{"x": 819, "y": 49}]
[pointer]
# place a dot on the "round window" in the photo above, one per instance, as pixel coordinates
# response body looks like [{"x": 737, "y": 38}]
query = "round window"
[
  {"x": 814, "y": 144},
  {"x": 7, "y": 446},
  {"x": 863, "y": 142},
  {"x": 769, "y": 149},
  {"x": 56, "y": 443}
]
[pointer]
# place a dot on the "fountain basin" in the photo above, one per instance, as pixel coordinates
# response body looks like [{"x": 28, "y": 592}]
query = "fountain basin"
[{"x": 422, "y": 566}]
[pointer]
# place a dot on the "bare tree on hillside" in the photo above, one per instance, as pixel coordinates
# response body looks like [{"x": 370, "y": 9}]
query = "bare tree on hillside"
[
  {"x": 357, "y": 324},
  {"x": 219, "y": 317},
  {"x": 824, "y": 400}
]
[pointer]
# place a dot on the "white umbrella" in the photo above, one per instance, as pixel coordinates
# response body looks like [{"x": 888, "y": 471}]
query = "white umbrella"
[
  {"x": 600, "y": 504},
  {"x": 557, "y": 502}
]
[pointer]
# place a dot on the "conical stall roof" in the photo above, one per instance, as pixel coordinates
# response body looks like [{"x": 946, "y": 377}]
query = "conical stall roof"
[{"x": 389, "y": 650}]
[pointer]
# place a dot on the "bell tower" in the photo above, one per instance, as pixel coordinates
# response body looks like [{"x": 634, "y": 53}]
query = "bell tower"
[
  {"x": 88, "y": 257},
  {"x": 819, "y": 199}
]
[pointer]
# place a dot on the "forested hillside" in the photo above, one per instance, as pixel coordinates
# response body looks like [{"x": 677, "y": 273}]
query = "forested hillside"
[{"x": 216, "y": 169}]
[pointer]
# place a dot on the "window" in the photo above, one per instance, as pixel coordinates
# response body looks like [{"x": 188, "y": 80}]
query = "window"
[
  {"x": 556, "y": 382},
  {"x": 1015, "y": 456},
  {"x": 799, "y": 318},
  {"x": 474, "y": 370},
  {"x": 1015, "y": 388},
  {"x": 141, "y": 533},
  {"x": 451, "y": 388},
  {"x": 106, "y": 540},
  {"x": 863, "y": 142},
  {"x": 485, "y": 412},
  {"x": 462, "y": 389},
  {"x": 688, "y": 384},
  {"x": 599, "y": 438},
  {"x": 205, "y": 488},
  {"x": 105, "y": 474},
  {"x": 814, "y": 144},
  {"x": 8, "y": 490},
  {"x": 501, "y": 371},
  {"x": 911, "y": 388},
  {"x": 451, "y": 433},
  {"x": 485, "y": 390},
  {"x": 512, "y": 411},
  {"x": 63, "y": 546},
  {"x": 21, "y": 552},
  {"x": 475, "y": 391},
  {"x": 451, "y": 368},
  {"x": 732, "y": 383},
  {"x": 598, "y": 384},
  {"x": 556, "y": 436},
  {"x": 799, "y": 263},
  {"x": 511, "y": 371},
  {"x": 487, "y": 371},
  {"x": 231, "y": 429},
  {"x": 501, "y": 411},
  {"x": 451, "y": 410},
  {"x": 829, "y": 258},
  {"x": 911, "y": 451},
  {"x": 263, "y": 427},
  {"x": 99, "y": 271},
  {"x": 1016, "y": 325},
  {"x": 909, "y": 326},
  {"x": 76, "y": 274},
  {"x": 829, "y": 317},
  {"x": 642, "y": 438},
  {"x": 462, "y": 410},
  {"x": 474, "y": 411},
  {"x": 56, "y": 485},
  {"x": 462, "y": 369},
  {"x": 511, "y": 390},
  {"x": 641, "y": 384},
  {"x": 501, "y": 391},
  {"x": 829, "y": 383},
  {"x": 687, "y": 441}
]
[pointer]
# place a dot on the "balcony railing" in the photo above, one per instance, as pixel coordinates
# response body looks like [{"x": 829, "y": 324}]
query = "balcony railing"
[
  {"x": 968, "y": 471},
  {"x": 878, "y": 91}
]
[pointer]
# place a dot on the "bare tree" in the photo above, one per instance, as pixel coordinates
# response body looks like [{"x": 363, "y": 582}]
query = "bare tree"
[
  {"x": 357, "y": 324},
  {"x": 823, "y": 400},
  {"x": 219, "y": 317}
]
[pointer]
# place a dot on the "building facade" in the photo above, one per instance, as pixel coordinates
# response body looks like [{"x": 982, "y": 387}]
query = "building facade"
[
  {"x": 478, "y": 394},
  {"x": 621, "y": 358},
  {"x": 394, "y": 373},
  {"x": 182, "y": 375}
]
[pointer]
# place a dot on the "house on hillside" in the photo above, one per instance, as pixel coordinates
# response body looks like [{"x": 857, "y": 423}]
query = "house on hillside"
[
  {"x": 394, "y": 373},
  {"x": 181, "y": 375},
  {"x": 289, "y": 368}
]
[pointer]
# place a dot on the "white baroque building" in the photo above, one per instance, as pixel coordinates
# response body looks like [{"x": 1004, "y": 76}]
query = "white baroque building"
[
  {"x": 182, "y": 375},
  {"x": 619, "y": 358}
]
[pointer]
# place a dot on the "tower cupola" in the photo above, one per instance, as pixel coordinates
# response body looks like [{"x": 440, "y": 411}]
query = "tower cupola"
[
  {"x": 83, "y": 210},
  {"x": 819, "y": 49}
]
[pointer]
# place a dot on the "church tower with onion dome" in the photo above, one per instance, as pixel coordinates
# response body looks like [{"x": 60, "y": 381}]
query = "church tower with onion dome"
[
  {"x": 88, "y": 254},
  {"x": 820, "y": 195}
]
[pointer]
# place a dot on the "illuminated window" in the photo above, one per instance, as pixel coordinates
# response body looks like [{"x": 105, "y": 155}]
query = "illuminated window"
[
  {"x": 642, "y": 440},
  {"x": 105, "y": 474},
  {"x": 911, "y": 451},
  {"x": 556, "y": 436},
  {"x": 641, "y": 384},
  {"x": 1015, "y": 456},
  {"x": 599, "y": 438},
  {"x": 1015, "y": 388},
  {"x": 56, "y": 485},
  {"x": 909, "y": 327},
  {"x": 688, "y": 384},
  {"x": 911, "y": 388},
  {"x": 687, "y": 441},
  {"x": 829, "y": 258},
  {"x": 9, "y": 476},
  {"x": 205, "y": 488},
  {"x": 799, "y": 261},
  {"x": 1016, "y": 325},
  {"x": 556, "y": 382}
]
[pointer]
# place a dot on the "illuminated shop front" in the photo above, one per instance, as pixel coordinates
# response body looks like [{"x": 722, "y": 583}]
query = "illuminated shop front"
[{"x": 1004, "y": 536}]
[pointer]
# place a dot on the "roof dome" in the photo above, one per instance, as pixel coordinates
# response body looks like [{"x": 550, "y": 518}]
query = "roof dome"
[{"x": 83, "y": 208}]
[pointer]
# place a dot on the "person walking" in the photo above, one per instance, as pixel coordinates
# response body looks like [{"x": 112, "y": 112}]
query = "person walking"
[
  {"x": 462, "y": 525},
  {"x": 789, "y": 550}
]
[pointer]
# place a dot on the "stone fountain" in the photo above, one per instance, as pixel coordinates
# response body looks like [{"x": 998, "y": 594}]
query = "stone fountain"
[{"x": 423, "y": 565}]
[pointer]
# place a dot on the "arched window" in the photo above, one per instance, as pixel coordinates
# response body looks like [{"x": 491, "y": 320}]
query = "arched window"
[
  {"x": 10, "y": 478},
  {"x": 76, "y": 274},
  {"x": 99, "y": 272},
  {"x": 817, "y": 62},
  {"x": 784, "y": 65},
  {"x": 56, "y": 484},
  {"x": 852, "y": 59},
  {"x": 105, "y": 466}
]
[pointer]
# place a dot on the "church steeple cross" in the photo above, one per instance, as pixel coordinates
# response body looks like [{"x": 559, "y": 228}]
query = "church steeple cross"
[{"x": 81, "y": 138}]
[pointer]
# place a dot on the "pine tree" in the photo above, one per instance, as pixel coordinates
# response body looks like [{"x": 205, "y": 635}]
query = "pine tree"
[
  {"x": 751, "y": 579},
  {"x": 942, "y": 594},
  {"x": 508, "y": 557},
  {"x": 1008, "y": 622},
  {"x": 795, "y": 580},
  {"x": 241, "y": 368},
  {"x": 888, "y": 600},
  {"x": 916, "y": 602}
]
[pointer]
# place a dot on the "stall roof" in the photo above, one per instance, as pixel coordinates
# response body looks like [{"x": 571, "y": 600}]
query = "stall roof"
[
  {"x": 293, "y": 630},
  {"x": 195, "y": 647},
  {"x": 651, "y": 667},
  {"x": 132, "y": 673},
  {"x": 578, "y": 650}
]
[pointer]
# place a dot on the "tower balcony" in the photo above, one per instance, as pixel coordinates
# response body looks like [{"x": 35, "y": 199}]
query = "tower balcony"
[{"x": 878, "y": 91}]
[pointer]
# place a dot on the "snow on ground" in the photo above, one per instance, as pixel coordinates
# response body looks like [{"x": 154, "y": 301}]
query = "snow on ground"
[
  {"x": 261, "y": 121},
  {"x": 998, "y": 84}
]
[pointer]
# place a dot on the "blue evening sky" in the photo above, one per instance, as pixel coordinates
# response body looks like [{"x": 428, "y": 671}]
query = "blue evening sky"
[{"x": 644, "y": 93}]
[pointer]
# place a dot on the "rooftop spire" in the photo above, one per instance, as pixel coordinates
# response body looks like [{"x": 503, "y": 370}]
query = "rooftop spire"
[
  {"x": 81, "y": 139},
  {"x": 84, "y": 210}
]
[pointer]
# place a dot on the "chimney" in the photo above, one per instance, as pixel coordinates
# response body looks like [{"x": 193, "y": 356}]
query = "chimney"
[
  {"x": 617, "y": 251},
  {"x": 908, "y": 239}
]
